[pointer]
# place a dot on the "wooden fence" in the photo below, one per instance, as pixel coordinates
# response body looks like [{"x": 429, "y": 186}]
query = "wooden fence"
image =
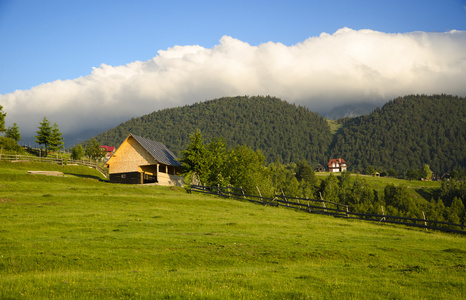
[
  {"x": 326, "y": 207},
  {"x": 55, "y": 160}
]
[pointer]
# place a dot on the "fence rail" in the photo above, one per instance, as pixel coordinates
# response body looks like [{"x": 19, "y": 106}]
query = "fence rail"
[
  {"x": 54, "y": 160},
  {"x": 326, "y": 207}
]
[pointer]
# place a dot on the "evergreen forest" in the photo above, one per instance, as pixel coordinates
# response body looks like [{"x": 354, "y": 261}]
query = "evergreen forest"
[
  {"x": 282, "y": 131},
  {"x": 406, "y": 134}
]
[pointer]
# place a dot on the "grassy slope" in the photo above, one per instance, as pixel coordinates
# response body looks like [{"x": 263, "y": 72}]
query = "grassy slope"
[
  {"x": 334, "y": 126},
  {"x": 76, "y": 237},
  {"x": 420, "y": 190}
]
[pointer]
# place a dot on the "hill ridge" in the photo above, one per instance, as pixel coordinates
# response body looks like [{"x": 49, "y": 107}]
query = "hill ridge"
[
  {"x": 406, "y": 133},
  {"x": 279, "y": 129}
]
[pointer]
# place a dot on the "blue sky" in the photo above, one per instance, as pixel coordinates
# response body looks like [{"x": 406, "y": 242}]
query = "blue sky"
[
  {"x": 129, "y": 58},
  {"x": 43, "y": 41}
]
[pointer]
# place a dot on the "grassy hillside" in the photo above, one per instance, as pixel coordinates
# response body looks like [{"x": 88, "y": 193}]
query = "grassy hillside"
[
  {"x": 420, "y": 190},
  {"x": 78, "y": 237}
]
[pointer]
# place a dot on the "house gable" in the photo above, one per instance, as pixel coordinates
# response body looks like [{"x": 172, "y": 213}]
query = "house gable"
[{"x": 129, "y": 157}]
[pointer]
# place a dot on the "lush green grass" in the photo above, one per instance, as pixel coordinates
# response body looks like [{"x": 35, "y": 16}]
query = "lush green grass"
[
  {"x": 77, "y": 237},
  {"x": 334, "y": 126},
  {"x": 417, "y": 188}
]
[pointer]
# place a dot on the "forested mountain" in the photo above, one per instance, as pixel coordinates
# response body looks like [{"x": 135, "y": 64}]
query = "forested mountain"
[
  {"x": 282, "y": 131},
  {"x": 406, "y": 133}
]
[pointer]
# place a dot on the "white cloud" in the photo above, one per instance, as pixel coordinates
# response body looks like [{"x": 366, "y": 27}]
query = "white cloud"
[{"x": 321, "y": 72}]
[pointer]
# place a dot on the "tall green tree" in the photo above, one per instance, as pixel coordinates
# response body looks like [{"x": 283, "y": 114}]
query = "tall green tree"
[
  {"x": 13, "y": 132},
  {"x": 399, "y": 202},
  {"x": 43, "y": 134},
  {"x": 56, "y": 139},
  {"x": 77, "y": 152},
  {"x": 370, "y": 170},
  {"x": 436, "y": 210},
  {"x": 425, "y": 172},
  {"x": 216, "y": 164},
  {"x": 218, "y": 152},
  {"x": 94, "y": 151},
  {"x": 456, "y": 212},
  {"x": 2, "y": 119},
  {"x": 330, "y": 189},
  {"x": 345, "y": 187},
  {"x": 413, "y": 174},
  {"x": 195, "y": 158},
  {"x": 362, "y": 198},
  {"x": 305, "y": 172},
  {"x": 246, "y": 168}
]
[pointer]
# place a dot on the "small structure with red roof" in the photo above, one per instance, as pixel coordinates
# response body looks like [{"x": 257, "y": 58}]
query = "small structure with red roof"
[
  {"x": 110, "y": 150},
  {"x": 337, "y": 165}
]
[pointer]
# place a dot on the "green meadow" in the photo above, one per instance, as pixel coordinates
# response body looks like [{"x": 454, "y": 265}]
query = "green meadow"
[
  {"x": 420, "y": 190},
  {"x": 83, "y": 238}
]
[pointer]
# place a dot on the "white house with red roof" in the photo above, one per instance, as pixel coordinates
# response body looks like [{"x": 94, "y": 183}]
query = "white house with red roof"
[
  {"x": 337, "y": 165},
  {"x": 109, "y": 150}
]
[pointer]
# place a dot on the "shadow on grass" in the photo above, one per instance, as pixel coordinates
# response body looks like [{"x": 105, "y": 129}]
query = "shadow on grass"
[
  {"x": 88, "y": 177},
  {"x": 428, "y": 193}
]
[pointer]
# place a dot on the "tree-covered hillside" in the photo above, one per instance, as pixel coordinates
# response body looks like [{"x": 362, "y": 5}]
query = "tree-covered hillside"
[
  {"x": 279, "y": 129},
  {"x": 405, "y": 134}
]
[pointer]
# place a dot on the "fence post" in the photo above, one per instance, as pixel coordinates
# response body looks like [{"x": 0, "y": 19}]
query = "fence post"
[
  {"x": 347, "y": 215},
  {"x": 425, "y": 223},
  {"x": 242, "y": 191},
  {"x": 284, "y": 197},
  {"x": 383, "y": 213},
  {"x": 259, "y": 192},
  {"x": 323, "y": 202}
]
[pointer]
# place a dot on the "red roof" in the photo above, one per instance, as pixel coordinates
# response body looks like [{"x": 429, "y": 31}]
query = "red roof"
[
  {"x": 337, "y": 161},
  {"x": 108, "y": 148}
]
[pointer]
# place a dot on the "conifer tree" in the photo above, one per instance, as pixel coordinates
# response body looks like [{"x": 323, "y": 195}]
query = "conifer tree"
[
  {"x": 305, "y": 172},
  {"x": 55, "y": 140},
  {"x": 43, "y": 134},
  {"x": 195, "y": 158},
  {"x": 13, "y": 133},
  {"x": 2, "y": 119},
  {"x": 456, "y": 211},
  {"x": 330, "y": 189}
]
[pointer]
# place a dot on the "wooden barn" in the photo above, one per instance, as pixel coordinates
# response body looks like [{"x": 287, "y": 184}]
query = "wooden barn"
[
  {"x": 320, "y": 168},
  {"x": 140, "y": 161}
]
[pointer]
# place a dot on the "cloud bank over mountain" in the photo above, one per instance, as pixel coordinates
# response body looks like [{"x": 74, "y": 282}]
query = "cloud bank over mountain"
[{"x": 321, "y": 72}]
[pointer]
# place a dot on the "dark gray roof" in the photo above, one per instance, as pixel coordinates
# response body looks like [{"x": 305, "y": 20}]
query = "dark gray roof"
[{"x": 158, "y": 150}]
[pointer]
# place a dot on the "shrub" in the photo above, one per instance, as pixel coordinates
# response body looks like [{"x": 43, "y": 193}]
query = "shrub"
[{"x": 10, "y": 145}]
